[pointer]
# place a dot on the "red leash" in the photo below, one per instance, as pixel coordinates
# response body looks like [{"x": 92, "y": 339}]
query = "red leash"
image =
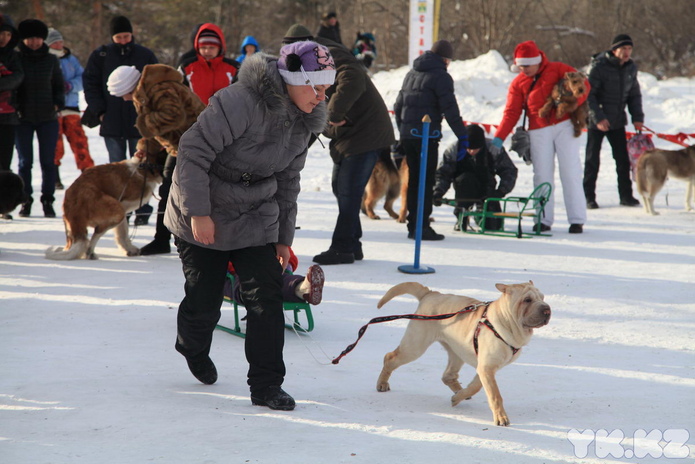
[
  {"x": 677, "y": 139},
  {"x": 376, "y": 320}
]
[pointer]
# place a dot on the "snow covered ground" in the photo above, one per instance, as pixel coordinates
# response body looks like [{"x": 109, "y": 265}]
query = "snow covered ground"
[{"x": 88, "y": 373}]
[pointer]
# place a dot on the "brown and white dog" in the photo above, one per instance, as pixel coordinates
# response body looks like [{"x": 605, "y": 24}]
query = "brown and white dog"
[
  {"x": 386, "y": 180},
  {"x": 654, "y": 166},
  {"x": 512, "y": 317},
  {"x": 564, "y": 98},
  {"x": 102, "y": 196}
]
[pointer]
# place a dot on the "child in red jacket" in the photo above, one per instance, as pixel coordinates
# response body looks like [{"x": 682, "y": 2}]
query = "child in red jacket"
[{"x": 209, "y": 71}]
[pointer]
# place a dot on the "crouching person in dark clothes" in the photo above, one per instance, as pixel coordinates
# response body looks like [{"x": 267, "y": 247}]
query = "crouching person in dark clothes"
[
  {"x": 234, "y": 198},
  {"x": 473, "y": 171}
]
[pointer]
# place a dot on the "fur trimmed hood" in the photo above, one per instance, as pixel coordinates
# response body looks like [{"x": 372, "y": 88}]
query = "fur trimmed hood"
[{"x": 261, "y": 77}]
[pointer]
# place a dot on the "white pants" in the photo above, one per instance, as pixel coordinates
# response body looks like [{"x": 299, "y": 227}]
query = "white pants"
[{"x": 545, "y": 143}]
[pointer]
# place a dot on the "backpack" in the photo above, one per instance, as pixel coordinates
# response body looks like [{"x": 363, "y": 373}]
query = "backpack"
[{"x": 636, "y": 146}]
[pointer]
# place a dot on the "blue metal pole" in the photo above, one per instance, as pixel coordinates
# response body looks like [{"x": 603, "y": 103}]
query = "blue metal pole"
[{"x": 415, "y": 268}]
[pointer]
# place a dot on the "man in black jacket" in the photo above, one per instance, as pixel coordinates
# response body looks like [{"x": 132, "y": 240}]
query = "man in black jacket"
[
  {"x": 40, "y": 96},
  {"x": 359, "y": 126},
  {"x": 473, "y": 172},
  {"x": 427, "y": 89},
  {"x": 614, "y": 85},
  {"x": 117, "y": 116}
]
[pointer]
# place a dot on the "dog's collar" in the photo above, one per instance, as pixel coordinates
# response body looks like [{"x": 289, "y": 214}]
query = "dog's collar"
[{"x": 484, "y": 321}]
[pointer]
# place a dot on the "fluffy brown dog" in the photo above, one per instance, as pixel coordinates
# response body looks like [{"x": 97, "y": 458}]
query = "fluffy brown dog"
[
  {"x": 654, "y": 166},
  {"x": 102, "y": 196},
  {"x": 386, "y": 180},
  {"x": 564, "y": 98},
  {"x": 513, "y": 316}
]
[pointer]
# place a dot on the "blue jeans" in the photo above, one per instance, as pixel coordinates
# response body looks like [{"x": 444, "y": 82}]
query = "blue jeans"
[
  {"x": 349, "y": 180},
  {"x": 47, "y": 134},
  {"x": 116, "y": 146}
]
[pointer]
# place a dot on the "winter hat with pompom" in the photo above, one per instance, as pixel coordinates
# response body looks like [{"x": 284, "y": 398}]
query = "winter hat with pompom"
[
  {"x": 306, "y": 63},
  {"x": 526, "y": 54},
  {"x": 123, "y": 80}
]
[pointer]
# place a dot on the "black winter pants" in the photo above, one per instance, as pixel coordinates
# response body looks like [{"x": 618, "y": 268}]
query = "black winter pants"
[
  {"x": 470, "y": 186},
  {"x": 618, "y": 142},
  {"x": 412, "y": 148},
  {"x": 260, "y": 277}
]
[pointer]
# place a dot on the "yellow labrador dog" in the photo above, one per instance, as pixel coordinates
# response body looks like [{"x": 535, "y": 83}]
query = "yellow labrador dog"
[{"x": 486, "y": 336}]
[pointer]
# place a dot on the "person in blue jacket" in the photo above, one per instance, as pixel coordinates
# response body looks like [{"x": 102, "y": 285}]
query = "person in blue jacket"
[
  {"x": 249, "y": 46},
  {"x": 69, "y": 124}
]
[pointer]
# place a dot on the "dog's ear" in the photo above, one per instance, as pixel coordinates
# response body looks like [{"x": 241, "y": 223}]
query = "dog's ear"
[
  {"x": 531, "y": 282},
  {"x": 501, "y": 287}
]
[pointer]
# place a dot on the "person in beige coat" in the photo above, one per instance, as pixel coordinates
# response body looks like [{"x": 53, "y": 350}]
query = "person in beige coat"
[{"x": 166, "y": 108}]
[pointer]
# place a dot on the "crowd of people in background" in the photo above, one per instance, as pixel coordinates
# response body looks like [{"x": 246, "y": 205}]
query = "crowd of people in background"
[{"x": 240, "y": 130}]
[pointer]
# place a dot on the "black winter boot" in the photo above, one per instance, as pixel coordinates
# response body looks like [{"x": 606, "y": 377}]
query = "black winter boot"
[
  {"x": 274, "y": 397},
  {"x": 47, "y": 202},
  {"x": 25, "y": 211}
]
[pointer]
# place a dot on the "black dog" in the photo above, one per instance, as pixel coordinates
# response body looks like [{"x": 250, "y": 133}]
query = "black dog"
[{"x": 11, "y": 193}]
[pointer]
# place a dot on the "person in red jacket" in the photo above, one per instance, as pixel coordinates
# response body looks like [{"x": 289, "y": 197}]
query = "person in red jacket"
[
  {"x": 549, "y": 136},
  {"x": 209, "y": 71}
]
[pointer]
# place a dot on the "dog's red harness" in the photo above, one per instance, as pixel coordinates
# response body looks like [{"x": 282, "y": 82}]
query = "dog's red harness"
[
  {"x": 438, "y": 317},
  {"x": 484, "y": 321}
]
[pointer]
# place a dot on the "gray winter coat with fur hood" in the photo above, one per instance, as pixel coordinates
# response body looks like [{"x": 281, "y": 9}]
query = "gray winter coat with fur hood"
[{"x": 240, "y": 162}]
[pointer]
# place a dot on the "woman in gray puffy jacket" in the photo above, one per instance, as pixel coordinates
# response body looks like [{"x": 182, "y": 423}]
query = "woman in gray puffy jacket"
[{"x": 234, "y": 198}]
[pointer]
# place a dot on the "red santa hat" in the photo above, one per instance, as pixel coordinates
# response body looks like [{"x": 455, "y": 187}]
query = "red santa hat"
[{"x": 526, "y": 54}]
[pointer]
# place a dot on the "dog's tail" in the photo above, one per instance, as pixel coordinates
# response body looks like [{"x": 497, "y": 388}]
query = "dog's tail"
[
  {"x": 411, "y": 288},
  {"x": 76, "y": 251}
]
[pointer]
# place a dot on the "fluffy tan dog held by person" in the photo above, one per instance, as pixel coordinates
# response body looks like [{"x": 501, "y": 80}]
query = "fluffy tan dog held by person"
[
  {"x": 653, "y": 168},
  {"x": 488, "y": 336},
  {"x": 102, "y": 197},
  {"x": 564, "y": 99}
]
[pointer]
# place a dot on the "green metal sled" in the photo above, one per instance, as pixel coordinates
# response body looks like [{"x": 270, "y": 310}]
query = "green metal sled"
[{"x": 296, "y": 308}]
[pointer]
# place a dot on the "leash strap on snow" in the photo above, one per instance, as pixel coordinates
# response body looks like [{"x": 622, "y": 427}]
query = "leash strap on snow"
[{"x": 420, "y": 317}]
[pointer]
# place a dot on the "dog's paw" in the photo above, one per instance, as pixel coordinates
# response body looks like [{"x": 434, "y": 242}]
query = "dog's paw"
[
  {"x": 459, "y": 396},
  {"x": 383, "y": 387},
  {"x": 501, "y": 419},
  {"x": 133, "y": 252},
  {"x": 92, "y": 256}
]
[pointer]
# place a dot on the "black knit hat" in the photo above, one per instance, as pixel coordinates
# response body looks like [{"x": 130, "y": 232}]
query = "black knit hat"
[
  {"x": 120, "y": 24},
  {"x": 32, "y": 28},
  {"x": 476, "y": 136},
  {"x": 621, "y": 40},
  {"x": 443, "y": 48}
]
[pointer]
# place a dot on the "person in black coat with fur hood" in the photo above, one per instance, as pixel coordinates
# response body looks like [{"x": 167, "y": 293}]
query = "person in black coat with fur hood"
[
  {"x": 40, "y": 96},
  {"x": 473, "y": 171},
  {"x": 614, "y": 86}
]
